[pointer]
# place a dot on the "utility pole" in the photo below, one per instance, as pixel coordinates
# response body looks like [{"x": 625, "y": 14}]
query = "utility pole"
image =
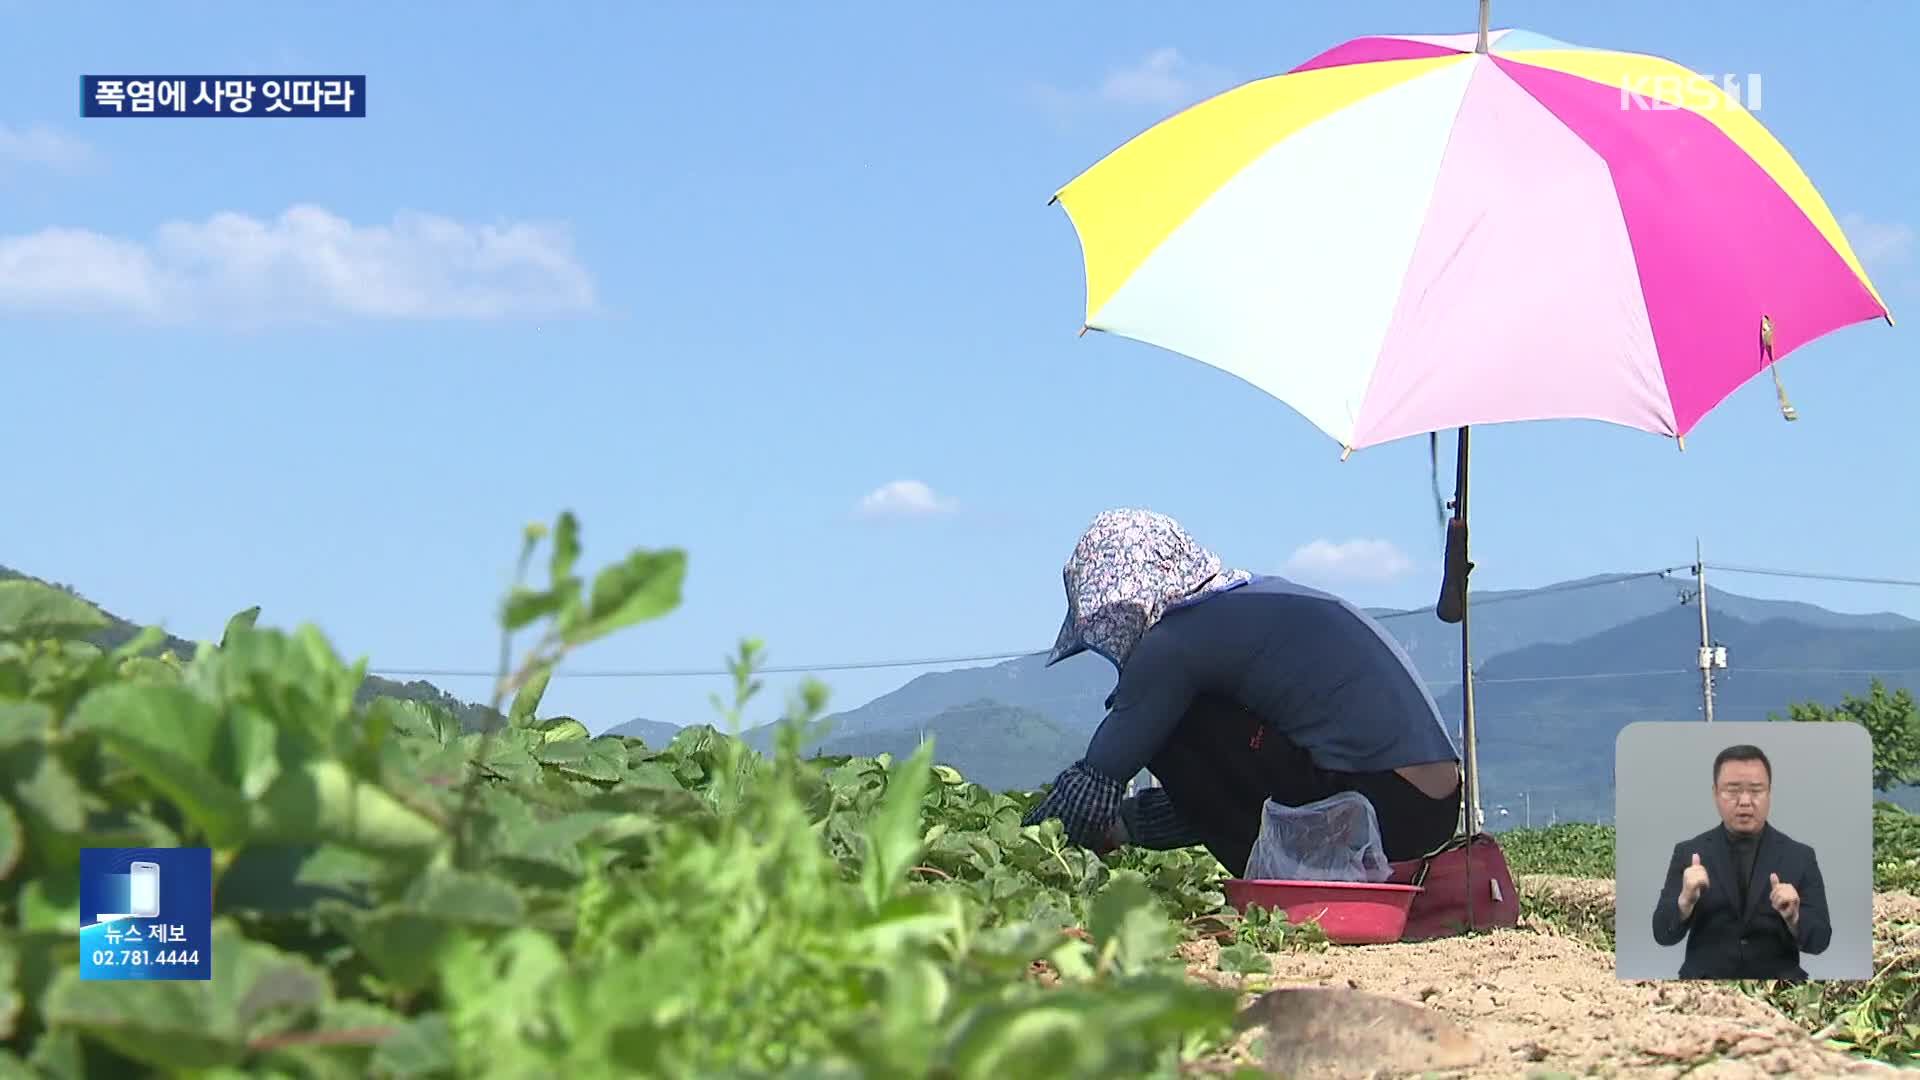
[{"x": 1711, "y": 656}]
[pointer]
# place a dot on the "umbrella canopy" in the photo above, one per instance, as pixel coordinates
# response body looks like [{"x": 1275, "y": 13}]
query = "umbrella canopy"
[{"x": 1401, "y": 235}]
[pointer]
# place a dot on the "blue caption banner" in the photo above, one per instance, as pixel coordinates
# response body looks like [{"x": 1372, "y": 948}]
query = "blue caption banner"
[
  {"x": 146, "y": 913},
  {"x": 222, "y": 95}
]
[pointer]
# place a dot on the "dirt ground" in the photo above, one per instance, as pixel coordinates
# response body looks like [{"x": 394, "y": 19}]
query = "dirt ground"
[{"x": 1538, "y": 1002}]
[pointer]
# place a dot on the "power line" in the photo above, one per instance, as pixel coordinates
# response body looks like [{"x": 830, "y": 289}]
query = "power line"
[
  {"x": 938, "y": 661},
  {"x": 1528, "y": 594},
  {"x": 1478, "y": 681},
  {"x": 980, "y": 658},
  {"x": 678, "y": 673},
  {"x": 1812, "y": 575},
  {"x": 1690, "y": 671}
]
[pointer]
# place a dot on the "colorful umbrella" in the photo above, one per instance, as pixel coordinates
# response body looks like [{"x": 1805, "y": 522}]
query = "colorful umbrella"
[{"x": 1407, "y": 234}]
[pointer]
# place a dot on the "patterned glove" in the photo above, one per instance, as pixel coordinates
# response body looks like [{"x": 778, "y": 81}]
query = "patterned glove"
[{"x": 1086, "y": 803}]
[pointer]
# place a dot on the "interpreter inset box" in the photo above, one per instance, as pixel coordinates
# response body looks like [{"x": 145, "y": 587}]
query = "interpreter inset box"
[{"x": 1743, "y": 851}]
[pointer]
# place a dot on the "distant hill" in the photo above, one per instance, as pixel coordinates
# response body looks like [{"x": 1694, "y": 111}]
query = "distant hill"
[
  {"x": 1548, "y": 715},
  {"x": 654, "y": 733},
  {"x": 1548, "y": 710},
  {"x": 119, "y": 631},
  {"x": 1070, "y": 694},
  {"x": 1505, "y": 623},
  {"x": 1511, "y": 619},
  {"x": 1002, "y": 747}
]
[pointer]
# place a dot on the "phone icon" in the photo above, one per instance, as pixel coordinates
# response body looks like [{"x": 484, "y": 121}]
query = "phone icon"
[{"x": 144, "y": 890}]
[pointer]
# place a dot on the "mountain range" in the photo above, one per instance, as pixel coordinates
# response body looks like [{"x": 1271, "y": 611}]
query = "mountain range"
[
  {"x": 1559, "y": 671},
  {"x": 119, "y": 631}
]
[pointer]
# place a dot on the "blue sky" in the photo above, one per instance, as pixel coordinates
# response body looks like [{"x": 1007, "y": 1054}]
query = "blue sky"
[{"x": 711, "y": 279}]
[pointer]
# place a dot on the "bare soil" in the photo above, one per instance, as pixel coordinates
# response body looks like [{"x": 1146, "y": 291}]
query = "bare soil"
[{"x": 1540, "y": 1001}]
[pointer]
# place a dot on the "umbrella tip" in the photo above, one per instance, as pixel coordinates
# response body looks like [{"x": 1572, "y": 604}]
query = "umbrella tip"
[
  {"x": 1346, "y": 452},
  {"x": 1681, "y": 441},
  {"x": 1082, "y": 333}
]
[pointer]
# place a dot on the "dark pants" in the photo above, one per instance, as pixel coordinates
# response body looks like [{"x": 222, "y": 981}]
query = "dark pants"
[{"x": 1222, "y": 765}]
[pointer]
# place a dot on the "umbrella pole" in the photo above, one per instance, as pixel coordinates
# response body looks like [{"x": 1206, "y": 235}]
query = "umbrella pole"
[
  {"x": 1453, "y": 608},
  {"x": 1467, "y": 729}
]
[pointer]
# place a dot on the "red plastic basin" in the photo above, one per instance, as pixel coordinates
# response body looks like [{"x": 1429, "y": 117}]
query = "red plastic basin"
[{"x": 1350, "y": 912}]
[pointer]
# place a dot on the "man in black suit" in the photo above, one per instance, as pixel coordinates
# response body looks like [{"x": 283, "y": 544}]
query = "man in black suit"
[{"x": 1747, "y": 898}]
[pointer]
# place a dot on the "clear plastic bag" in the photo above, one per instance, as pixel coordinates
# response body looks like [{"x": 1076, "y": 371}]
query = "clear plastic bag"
[{"x": 1335, "y": 839}]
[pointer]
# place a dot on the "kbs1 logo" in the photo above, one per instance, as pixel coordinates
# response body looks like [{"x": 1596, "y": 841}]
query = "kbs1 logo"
[{"x": 1696, "y": 93}]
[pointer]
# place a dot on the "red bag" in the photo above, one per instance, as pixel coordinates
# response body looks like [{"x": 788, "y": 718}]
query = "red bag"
[{"x": 1451, "y": 876}]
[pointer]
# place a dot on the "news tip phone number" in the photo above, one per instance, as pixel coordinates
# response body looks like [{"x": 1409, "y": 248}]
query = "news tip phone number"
[
  {"x": 160, "y": 97},
  {"x": 144, "y": 957}
]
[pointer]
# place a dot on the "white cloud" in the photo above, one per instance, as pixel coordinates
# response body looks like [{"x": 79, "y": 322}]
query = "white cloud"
[
  {"x": 43, "y": 147},
  {"x": 1348, "y": 560},
  {"x": 303, "y": 266},
  {"x": 1879, "y": 243},
  {"x": 1164, "y": 79},
  {"x": 903, "y": 499}
]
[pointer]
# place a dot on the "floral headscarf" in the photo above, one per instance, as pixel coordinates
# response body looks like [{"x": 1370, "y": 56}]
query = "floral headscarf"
[{"x": 1130, "y": 568}]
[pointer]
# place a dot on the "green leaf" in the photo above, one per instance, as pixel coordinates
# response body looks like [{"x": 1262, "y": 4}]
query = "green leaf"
[
  {"x": 12, "y": 1068},
  {"x": 893, "y": 836},
  {"x": 644, "y": 586},
  {"x": 495, "y": 997},
  {"x": 44, "y": 790},
  {"x": 265, "y": 879},
  {"x": 407, "y": 942},
  {"x": 467, "y": 899},
  {"x": 11, "y": 1002},
  {"x": 239, "y": 624},
  {"x": 588, "y": 760},
  {"x": 524, "y": 606},
  {"x": 24, "y": 722},
  {"x": 404, "y": 946},
  {"x": 907, "y": 921},
  {"x": 1027, "y": 1039},
  {"x": 338, "y": 1046},
  {"x": 564, "y": 729},
  {"x": 1129, "y": 925},
  {"x": 422, "y": 1048},
  {"x": 181, "y": 745},
  {"x": 30, "y": 609},
  {"x": 172, "y": 1025},
  {"x": 149, "y": 671},
  {"x": 51, "y": 905},
  {"x": 139, "y": 644},
  {"x": 520, "y": 714},
  {"x": 323, "y": 801},
  {"x": 1243, "y": 959},
  {"x": 13, "y": 846},
  {"x": 562, "y": 832}
]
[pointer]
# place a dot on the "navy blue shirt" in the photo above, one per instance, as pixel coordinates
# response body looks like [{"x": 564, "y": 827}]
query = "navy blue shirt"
[{"x": 1313, "y": 667}]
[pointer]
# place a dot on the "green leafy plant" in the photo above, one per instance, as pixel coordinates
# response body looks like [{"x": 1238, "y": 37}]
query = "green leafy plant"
[
  {"x": 1569, "y": 849},
  {"x": 396, "y": 896},
  {"x": 1892, "y": 721},
  {"x": 1259, "y": 933}
]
